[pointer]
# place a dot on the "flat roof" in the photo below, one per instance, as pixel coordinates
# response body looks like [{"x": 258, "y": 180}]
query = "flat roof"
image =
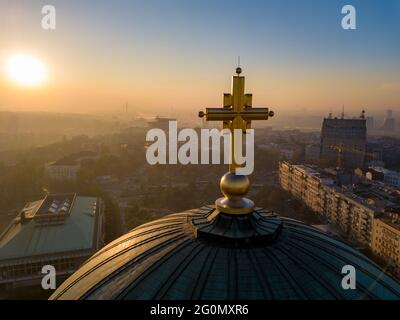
[
  {"x": 389, "y": 222},
  {"x": 24, "y": 240},
  {"x": 73, "y": 159},
  {"x": 313, "y": 170}
]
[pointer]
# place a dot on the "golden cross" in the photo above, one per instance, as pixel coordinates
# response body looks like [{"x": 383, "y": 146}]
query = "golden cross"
[{"x": 237, "y": 112}]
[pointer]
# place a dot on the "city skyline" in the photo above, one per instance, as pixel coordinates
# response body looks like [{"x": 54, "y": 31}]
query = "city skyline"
[
  {"x": 175, "y": 56},
  {"x": 221, "y": 151}
]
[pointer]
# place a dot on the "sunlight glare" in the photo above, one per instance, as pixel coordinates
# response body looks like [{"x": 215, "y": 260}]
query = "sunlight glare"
[{"x": 25, "y": 70}]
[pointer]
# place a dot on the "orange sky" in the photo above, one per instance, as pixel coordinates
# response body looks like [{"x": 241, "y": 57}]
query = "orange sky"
[{"x": 183, "y": 60}]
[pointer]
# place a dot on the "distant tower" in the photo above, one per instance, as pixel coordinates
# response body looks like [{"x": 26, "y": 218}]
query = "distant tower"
[
  {"x": 389, "y": 124},
  {"x": 370, "y": 124},
  {"x": 347, "y": 134}
]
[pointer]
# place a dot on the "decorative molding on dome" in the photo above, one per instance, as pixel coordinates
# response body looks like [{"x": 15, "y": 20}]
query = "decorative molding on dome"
[{"x": 250, "y": 229}]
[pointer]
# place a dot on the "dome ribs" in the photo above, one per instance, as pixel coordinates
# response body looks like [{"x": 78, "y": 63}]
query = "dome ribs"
[
  {"x": 308, "y": 271},
  {"x": 196, "y": 293},
  {"x": 332, "y": 272},
  {"x": 87, "y": 270},
  {"x": 377, "y": 277},
  {"x": 148, "y": 272},
  {"x": 173, "y": 279},
  {"x": 134, "y": 234},
  {"x": 262, "y": 278},
  {"x": 288, "y": 286},
  {"x": 204, "y": 275}
]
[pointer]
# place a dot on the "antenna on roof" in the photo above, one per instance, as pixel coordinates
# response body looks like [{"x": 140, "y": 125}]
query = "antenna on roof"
[
  {"x": 330, "y": 113},
  {"x": 238, "y": 69},
  {"x": 343, "y": 111}
]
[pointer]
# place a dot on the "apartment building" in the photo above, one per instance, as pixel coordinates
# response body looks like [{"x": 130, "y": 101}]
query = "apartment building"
[
  {"x": 386, "y": 241},
  {"x": 352, "y": 214}
]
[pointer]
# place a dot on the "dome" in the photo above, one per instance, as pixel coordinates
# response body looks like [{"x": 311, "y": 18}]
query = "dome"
[{"x": 206, "y": 254}]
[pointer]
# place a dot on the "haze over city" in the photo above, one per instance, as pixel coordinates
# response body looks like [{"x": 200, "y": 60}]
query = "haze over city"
[
  {"x": 166, "y": 57},
  {"x": 228, "y": 152}
]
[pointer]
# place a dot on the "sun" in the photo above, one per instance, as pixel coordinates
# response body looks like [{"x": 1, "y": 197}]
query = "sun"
[{"x": 25, "y": 70}]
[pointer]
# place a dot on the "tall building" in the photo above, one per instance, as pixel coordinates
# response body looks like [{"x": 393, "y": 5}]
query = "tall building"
[
  {"x": 61, "y": 230},
  {"x": 344, "y": 138},
  {"x": 312, "y": 153},
  {"x": 370, "y": 124},
  {"x": 229, "y": 250},
  {"x": 389, "y": 124}
]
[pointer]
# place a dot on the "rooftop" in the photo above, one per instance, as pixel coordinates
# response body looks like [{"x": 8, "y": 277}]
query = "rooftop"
[
  {"x": 339, "y": 122},
  {"x": 25, "y": 238},
  {"x": 394, "y": 223},
  {"x": 325, "y": 176},
  {"x": 73, "y": 159},
  {"x": 374, "y": 195}
]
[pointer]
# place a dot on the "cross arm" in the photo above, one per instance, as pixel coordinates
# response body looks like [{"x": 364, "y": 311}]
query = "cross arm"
[
  {"x": 249, "y": 114},
  {"x": 227, "y": 114},
  {"x": 218, "y": 114}
]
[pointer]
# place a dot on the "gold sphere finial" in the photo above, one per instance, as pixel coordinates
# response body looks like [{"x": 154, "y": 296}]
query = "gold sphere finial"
[{"x": 234, "y": 186}]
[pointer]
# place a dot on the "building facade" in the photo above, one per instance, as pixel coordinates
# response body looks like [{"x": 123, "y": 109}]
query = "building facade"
[
  {"x": 348, "y": 134},
  {"x": 388, "y": 176},
  {"x": 63, "y": 171},
  {"x": 386, "y": 242},
  {"x": 339, "y": 207},
  {"x": 312, "y": 153},
  {"x": 67, "y": 168}
]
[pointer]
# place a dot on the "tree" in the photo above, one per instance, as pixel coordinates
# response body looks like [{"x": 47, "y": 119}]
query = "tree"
[{"x": 113, "y": 227}]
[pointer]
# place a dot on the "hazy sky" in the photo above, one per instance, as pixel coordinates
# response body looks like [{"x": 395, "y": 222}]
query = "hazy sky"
[{"x": 180, "y": 54}]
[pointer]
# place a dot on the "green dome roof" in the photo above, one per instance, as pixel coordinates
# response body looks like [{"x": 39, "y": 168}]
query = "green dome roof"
[{"x": 204, "y": 254}]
